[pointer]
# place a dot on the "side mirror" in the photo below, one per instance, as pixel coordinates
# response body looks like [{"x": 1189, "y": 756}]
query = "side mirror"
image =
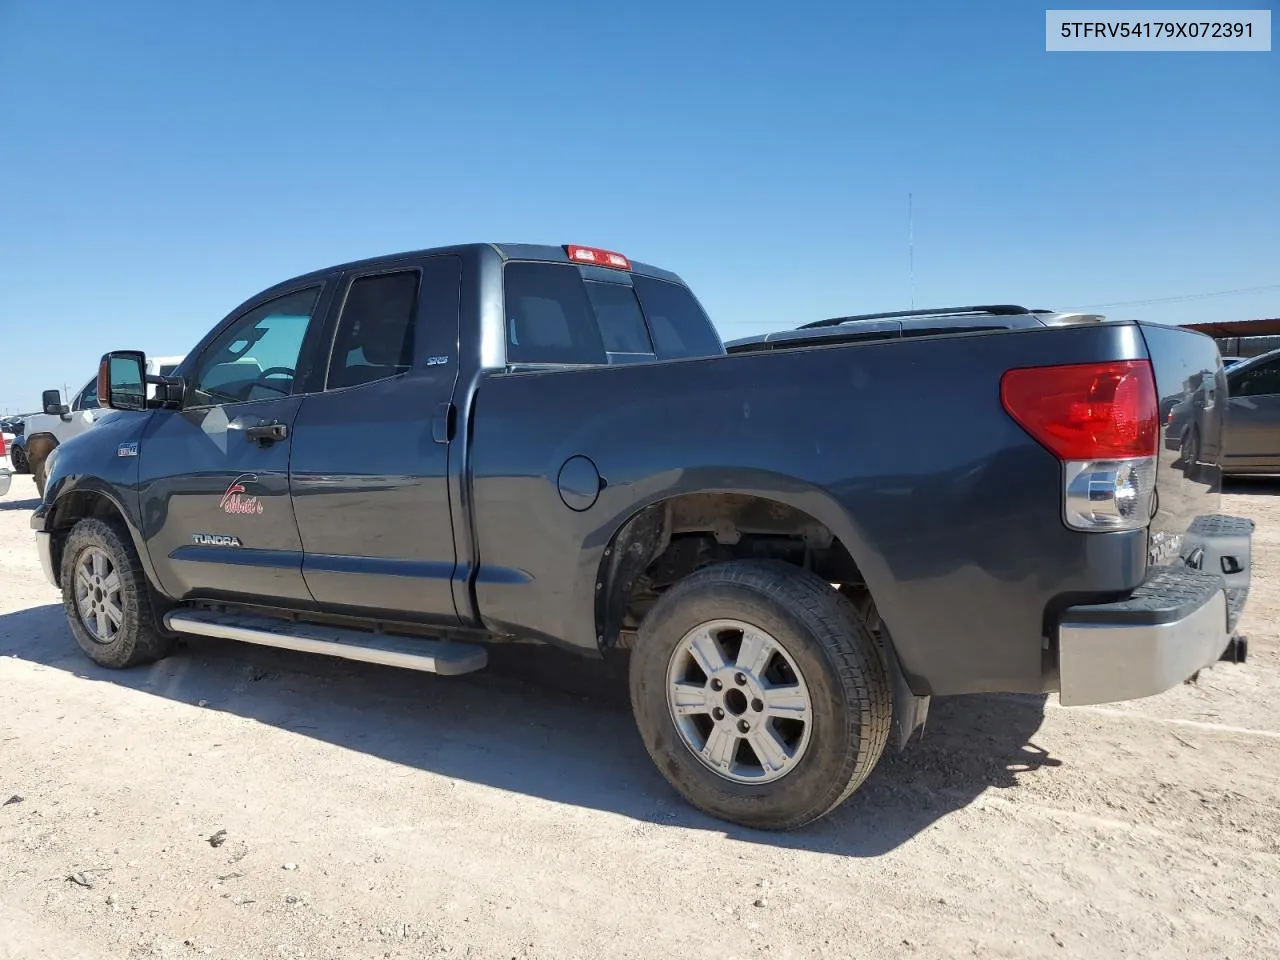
[
  {"x": 122, "y": 379},
  {"x": 51, "y": 403}
]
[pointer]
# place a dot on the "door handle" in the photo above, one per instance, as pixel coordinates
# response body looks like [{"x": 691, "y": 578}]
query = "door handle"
[
  {"x": 267, "y": 433},
  {"x": 444, "y": 422}
]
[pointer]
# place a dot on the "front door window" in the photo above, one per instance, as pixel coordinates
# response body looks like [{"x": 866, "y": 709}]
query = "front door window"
[{"x": 256, "y": 358}]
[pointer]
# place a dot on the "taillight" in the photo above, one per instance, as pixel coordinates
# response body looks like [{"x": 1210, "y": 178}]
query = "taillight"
[
  {"x": 1102, "y": 421},
  {"x": 601, "y": 258},
  {"x": 4, "y": 449}
]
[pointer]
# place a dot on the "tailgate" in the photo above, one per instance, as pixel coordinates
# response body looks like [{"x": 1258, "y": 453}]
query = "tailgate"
[{"x": 1187, "y": 525}]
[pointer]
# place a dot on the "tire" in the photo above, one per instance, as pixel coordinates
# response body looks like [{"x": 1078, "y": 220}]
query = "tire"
[
  {"x": 824, "y": 647},
  {"x": 18, "y": 457},
  {"x": 133, "y": 639}
]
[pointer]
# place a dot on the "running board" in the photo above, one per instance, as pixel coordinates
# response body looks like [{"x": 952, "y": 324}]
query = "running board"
[{"x": 445, "y": 657}]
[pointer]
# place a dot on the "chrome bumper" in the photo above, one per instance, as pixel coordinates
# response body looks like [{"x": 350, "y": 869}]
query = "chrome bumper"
[
  {"x": 1101, "y": 662},
  {"x": 6, "y": 478},
  {"x": 44, "y": 547},
  {"x": 1179, "y": 621}
]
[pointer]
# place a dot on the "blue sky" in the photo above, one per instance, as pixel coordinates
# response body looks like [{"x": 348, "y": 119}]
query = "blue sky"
[{"x": 162, "y": 161}]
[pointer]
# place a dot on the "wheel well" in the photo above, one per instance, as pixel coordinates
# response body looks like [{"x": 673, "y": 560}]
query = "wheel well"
[
  {"x": 73, "y": 507},
  {"x": 37, "y": 448},
  {"x": 43, "y": 441},
  {"x": 669, "y": 540}
]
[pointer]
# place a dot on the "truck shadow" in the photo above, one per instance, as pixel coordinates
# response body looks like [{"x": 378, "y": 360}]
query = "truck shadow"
[{"x": 551, "y": 725}]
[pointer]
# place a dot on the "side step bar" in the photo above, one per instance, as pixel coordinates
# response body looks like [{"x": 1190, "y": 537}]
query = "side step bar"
[{"x": 445, "y": 657}]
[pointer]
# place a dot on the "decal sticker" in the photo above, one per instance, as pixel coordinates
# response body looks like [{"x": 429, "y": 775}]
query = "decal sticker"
[
  {"x": 127, "y": 449},
  {"x": 235, "y": 501},
  {"x": 215, "y": 540}
]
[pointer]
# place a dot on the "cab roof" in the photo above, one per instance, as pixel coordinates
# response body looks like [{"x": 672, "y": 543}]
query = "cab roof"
[{"x": 507, "y": 251}]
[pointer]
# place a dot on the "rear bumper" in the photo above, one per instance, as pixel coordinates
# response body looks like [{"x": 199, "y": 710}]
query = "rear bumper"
[
  {"x": 6, "y": 477},
  {"x": 1178, "y": 622}
]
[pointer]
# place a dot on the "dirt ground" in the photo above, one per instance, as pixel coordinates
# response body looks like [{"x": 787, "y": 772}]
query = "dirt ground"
[{"x": 374, "y": 813}]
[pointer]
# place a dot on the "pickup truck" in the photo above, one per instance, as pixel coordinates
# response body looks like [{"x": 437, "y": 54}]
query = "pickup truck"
[{"x": 405, "y": 459}]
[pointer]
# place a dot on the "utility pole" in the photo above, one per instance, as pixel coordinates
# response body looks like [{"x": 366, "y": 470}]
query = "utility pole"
[{"x": 911, "y": 250}]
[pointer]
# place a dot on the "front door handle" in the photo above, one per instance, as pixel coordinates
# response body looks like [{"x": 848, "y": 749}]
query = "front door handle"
[{"x": 267, "y": 433}]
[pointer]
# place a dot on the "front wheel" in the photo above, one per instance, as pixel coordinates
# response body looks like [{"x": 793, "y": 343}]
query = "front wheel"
[
  {"x": 105, "y": 598},
  {"x": 759, "y": 694},
  {"x": 18, "y": 456}
]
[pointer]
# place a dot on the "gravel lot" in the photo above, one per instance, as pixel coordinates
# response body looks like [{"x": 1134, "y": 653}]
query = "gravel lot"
[{"x": 514, "y": 814}]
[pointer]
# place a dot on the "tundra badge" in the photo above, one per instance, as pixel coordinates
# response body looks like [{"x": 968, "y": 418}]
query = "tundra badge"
[{"x": 215, "y": 540}]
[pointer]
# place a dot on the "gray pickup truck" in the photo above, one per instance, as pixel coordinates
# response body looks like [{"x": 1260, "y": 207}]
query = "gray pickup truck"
[{"x": 405, "y": 459}]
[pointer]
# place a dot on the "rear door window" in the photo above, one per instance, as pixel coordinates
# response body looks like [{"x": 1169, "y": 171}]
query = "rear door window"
[{"x": 374, "y": 339}]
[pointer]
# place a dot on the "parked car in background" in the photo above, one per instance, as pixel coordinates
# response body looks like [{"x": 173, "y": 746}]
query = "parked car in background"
[
  {"x": 1251, "y": 427},
  {"x": 403, "y": 459},
  {"x": 6, "y": 472},
  {"x": 18, "y": 454},
  {"x": 13, "y": 429},
  {"x": 58, "y": 423}
]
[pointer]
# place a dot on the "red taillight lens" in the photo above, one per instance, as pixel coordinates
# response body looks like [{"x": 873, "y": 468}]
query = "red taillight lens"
[
  {"x": 1086, "y": 411},
  {"x": 4, "y": 448},
  {"x": 601, "y": 258}
]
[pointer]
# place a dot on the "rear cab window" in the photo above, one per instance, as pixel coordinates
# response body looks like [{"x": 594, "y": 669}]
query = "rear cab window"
[{"x": 559, "y": 313}]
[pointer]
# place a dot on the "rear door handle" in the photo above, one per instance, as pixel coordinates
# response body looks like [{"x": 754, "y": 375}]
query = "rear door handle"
[
  {"x": 267, "y": 433},
  {"x": 443, "y": 423}
]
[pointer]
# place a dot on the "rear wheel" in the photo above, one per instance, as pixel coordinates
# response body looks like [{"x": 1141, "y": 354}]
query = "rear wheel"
[
  {"x": 104, "y": 595},
  {"x": 760, "y": 694}
]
